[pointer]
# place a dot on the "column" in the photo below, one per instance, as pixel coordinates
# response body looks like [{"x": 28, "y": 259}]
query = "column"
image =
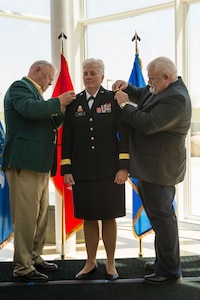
[{"x": 61, "y": 16}]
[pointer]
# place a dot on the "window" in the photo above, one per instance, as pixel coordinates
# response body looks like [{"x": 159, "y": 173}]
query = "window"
[
  {"x": 194, "y": 63},
  {"x": 104, "y": 7},
  {"x": 22, "y": 40},
  {"x": 112, "y": 42}
]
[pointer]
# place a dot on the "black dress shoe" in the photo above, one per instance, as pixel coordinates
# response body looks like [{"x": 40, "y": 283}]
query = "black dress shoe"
[
  {"x": 150, "y": 267},
  {"x": 155, "y": 279},
  {"x": 111, "y": 277},
  {"x": 81, "y": 276},
  {"x": 33, "y": 276},
  {"x": 46, "y": 266}
]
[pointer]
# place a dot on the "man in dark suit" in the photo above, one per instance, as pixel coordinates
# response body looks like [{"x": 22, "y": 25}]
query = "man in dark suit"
[
  {"x": 159, "y": 117},
  {"x": 28, "y": 160}
]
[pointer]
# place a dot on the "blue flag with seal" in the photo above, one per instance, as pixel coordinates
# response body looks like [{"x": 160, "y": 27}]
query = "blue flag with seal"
[
  {"x": 5, "y": 214},
  {"x": 140, "y": 222}
]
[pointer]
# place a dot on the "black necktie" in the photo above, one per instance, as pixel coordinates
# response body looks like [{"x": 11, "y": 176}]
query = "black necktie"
[{"x": 90, "y": 101}]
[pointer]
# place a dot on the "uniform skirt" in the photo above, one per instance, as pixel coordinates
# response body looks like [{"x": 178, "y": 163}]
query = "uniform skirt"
[{"x": 98, "y": 199}]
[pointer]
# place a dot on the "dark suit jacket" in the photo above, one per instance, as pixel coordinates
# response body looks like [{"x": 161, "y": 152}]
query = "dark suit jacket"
[
  {"x": 31, "y": 128},
  {"x": 158, "y": 132},
  {"x": 91, "y": 147}
]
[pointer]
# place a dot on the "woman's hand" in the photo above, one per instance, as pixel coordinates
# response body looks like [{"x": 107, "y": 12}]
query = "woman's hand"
[
  {"x": 69, "y": 179},
  {"x": 121, "y": 176}
]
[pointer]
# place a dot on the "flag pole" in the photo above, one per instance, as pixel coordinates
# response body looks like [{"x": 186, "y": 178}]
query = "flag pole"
[
  {"x": 66, "y": 219},
  {"x": 140, "y": 247},
  {"x": 63, "y": 37},
  {"x": 136, "y": 38}
]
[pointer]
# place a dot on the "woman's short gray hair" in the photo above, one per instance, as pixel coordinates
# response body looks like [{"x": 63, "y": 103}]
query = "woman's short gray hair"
[{"x": 95, "y": 62}]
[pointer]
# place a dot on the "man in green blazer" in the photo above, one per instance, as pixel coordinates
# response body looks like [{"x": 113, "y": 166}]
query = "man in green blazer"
[
  {"x": 29, "y": 161},
  {"x": 159, "y": 117}
]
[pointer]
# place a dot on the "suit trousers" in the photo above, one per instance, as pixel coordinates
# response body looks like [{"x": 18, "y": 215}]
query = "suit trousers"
[
  {"x": 29, "y": 200},
  {"x": 158, "y": 203}
]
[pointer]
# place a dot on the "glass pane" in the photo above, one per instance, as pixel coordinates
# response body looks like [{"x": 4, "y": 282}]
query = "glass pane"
[
  {"x": 109, "y": 7},
  {"x": 112, "y": 42},
  {"x": 194, "y": 63},
  {"x": 31, "y": 7},
  {"x": 23, "y": 44}
]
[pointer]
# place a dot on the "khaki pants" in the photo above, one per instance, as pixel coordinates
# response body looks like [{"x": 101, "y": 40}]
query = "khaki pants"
[{"x": 29, "y": 199}]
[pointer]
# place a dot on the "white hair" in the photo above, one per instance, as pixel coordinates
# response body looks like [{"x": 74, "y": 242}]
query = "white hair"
[
  {"x": 95, "y": 62},
  {"x": 163, "y": 65}
]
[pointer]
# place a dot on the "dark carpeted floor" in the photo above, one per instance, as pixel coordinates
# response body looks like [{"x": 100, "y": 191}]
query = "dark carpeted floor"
[{"x": 130, "y": 285}]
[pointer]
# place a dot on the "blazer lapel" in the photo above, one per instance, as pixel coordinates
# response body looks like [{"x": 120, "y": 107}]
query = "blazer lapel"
[{"x": 148, "y": 102}]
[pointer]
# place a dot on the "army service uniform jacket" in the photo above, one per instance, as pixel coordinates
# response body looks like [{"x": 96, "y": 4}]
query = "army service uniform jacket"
[{"x": 95, "y": 142}]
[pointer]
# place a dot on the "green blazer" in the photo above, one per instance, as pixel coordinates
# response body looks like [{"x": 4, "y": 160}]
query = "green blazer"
[{"x": 31, "y": 128}]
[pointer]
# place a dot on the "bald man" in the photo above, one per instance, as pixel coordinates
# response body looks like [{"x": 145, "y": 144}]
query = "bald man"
[{"x": 28, "y": 160}]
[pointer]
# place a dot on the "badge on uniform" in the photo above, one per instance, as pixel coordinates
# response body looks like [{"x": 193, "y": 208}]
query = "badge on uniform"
[{"x": 104, "y": 108}]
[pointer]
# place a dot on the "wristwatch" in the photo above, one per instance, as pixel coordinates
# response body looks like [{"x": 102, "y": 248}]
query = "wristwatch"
[{"x": 123, "y": 104}]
